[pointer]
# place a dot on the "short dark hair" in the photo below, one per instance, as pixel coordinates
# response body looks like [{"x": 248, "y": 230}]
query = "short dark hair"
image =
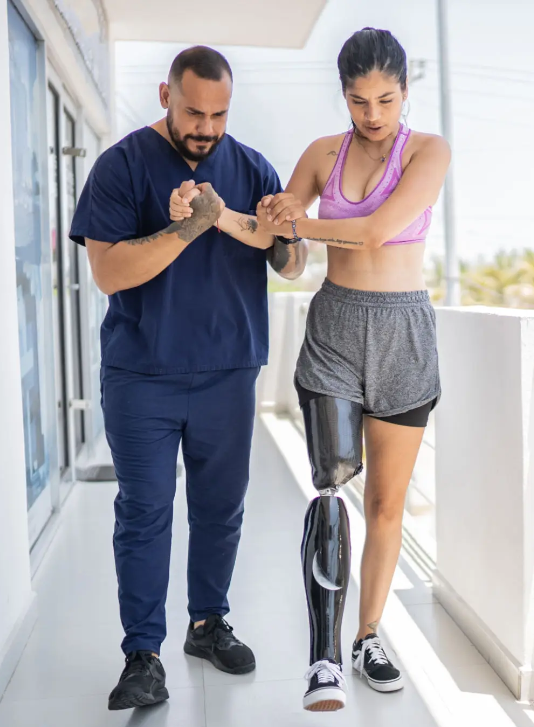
[
  {"x": 203, "y": 61},
  {"x": 372, "y": 50}
]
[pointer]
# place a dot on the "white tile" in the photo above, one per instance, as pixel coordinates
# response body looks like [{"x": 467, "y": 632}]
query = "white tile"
[
  {"x": 481, "y": 679},
  {"x": 184, "y": 709},
  {"x": 80, "y": 664},
  {"x": 449, "y": 643},
  {"x": 264, "y": 704},
  {"x": 419, "y": 595},
  {"x": 476, "y": 694}
]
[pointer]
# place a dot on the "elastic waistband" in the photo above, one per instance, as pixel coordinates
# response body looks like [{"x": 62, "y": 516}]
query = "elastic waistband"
[{"x": 375, "y": 298}]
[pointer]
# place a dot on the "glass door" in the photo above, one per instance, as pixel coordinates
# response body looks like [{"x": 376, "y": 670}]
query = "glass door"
[{"x": 32, "y": 267}]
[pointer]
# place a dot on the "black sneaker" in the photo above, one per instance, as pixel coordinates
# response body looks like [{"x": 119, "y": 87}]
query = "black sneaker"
[
  {"x": 326, "y": 690},
  {"x": 142, "y": 682},
  {"x": 369, "y": 658},
  {"x": 216, "y": 642}
]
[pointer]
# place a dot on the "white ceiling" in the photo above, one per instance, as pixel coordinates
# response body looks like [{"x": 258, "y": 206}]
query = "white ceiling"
[{"x": 269, "y": 23}]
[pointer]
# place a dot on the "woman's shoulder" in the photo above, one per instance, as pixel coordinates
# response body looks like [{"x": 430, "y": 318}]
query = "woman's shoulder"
[
  {"x": 329, "y": 145},
  {"x": 420, "y": 140},
  {"x": 422, "y": 144}
]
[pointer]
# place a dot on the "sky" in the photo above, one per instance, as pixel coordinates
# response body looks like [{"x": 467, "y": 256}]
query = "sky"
[{"x": 284, "y": 99}]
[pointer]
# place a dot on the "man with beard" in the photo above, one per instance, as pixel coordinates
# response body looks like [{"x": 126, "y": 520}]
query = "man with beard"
[{"x": 182, "y": 345}]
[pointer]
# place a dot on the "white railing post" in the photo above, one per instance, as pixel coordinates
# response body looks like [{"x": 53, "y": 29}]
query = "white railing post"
[{"x": 485, "y": 484}]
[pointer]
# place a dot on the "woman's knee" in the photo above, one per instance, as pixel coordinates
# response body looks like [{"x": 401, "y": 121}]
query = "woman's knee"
[{"x": 384, "y": 508}]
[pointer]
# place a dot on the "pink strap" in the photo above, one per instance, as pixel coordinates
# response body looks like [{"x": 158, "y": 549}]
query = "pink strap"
[
  {"x": 341, "y": 157},
  {"x": 400, "y": 143}
]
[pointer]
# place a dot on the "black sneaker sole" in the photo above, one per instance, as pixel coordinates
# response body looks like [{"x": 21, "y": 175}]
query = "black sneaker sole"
[
  {"x": 141, "y": 699},
  {"x": 200, "y": 653}
]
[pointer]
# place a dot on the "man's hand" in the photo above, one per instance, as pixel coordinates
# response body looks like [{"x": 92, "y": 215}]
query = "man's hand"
[
  {"x": 203, "y": 187},
  {"x": 283, "y": 207},
  {"x": 180, "y": 203}
]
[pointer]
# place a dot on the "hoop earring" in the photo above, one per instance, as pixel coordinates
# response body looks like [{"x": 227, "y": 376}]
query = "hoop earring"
[{"x": 405, "y": 111}]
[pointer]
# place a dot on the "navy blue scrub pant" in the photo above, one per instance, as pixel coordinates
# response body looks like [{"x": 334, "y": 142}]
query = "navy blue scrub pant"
[{"x": 146, "y": 418}]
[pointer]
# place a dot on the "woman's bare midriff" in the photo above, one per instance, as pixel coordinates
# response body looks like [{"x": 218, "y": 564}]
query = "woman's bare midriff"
[{"x": 390, "y": 268}]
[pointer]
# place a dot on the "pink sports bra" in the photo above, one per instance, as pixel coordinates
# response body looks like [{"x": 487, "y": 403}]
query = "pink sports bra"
[{"x": 335, "y": 206}]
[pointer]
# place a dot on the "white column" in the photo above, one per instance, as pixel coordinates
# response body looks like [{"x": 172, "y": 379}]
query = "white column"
[
  {"x": 485, "y": 484},
  {"x": 15, "y": 581},
  {"x": 452, "y": 271}
]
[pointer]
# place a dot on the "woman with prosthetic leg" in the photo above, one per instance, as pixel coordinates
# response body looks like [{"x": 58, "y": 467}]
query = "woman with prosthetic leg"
[{"x": 369, "y": 358}]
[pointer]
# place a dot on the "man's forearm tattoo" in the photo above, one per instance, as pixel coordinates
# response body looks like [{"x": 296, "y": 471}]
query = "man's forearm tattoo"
[
  {"x": 290, "y": 259},
  {"x": 248, "y": 224},
  {"x": 330, "y": 239},
  {"x": 205, "y": 212}
]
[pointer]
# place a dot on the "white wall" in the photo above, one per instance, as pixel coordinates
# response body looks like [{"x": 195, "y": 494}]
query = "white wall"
[
  {"x": 15, "y": 583},
  {"x": 63, "y": 53},
  {"x": 485, "y": 483}
]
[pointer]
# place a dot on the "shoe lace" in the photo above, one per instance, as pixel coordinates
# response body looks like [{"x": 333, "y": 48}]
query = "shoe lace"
[
  {"x": 138, "y": 663},
  {"x": 326, "y": 671},
  {"x": 377, "y": 655},
  {"x": 222, "y": 632}
]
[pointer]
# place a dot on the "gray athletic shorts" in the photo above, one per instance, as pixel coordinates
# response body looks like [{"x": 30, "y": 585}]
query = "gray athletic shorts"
[{"x": 377, "y": 349}]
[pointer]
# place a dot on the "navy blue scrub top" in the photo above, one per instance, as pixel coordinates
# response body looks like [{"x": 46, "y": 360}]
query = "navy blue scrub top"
[{"x": 208, "y": 309}]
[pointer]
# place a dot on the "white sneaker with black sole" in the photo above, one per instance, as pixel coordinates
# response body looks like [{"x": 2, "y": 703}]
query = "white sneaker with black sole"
[
  {"x": 326, "y": 688},
  {"x": 369, "y": 658}
]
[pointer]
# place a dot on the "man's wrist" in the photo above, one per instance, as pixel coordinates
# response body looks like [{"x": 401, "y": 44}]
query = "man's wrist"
[
  {"x": 285, "y": 240},
  {"x": 221, "y": 222}
]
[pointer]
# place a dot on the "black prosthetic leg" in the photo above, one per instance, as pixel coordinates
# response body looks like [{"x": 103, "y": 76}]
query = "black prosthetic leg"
[
  {"x": 334, "y": 438},
  {"x": 326, "y": 564}
]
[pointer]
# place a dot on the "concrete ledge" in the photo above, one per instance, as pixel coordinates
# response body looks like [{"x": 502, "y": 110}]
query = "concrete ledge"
[
  {"x": 16, "y": 643},
  {"x": 517, "y": 678}
]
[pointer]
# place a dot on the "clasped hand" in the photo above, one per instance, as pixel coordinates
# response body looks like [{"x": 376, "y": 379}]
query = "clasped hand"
[
  {"x": 179, "y": 204},
  {"x": 275, "y": 213}
]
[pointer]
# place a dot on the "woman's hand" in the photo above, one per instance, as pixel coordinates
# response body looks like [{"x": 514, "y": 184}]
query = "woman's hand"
[
  {"x": 179, "y": 204},
  {"x": 284, "y": 230},
  {"x": 283, "y": 207}
]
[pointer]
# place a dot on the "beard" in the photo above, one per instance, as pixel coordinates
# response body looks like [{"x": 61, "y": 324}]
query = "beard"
[{"x": 180, "y": 142}]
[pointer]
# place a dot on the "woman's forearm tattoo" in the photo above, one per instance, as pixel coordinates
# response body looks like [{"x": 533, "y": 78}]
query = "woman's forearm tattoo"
[{"x": 330, "y": 239}]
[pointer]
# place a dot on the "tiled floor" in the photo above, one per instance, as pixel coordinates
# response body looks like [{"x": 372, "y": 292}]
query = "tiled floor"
[{"x": 73, "y": 658}]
